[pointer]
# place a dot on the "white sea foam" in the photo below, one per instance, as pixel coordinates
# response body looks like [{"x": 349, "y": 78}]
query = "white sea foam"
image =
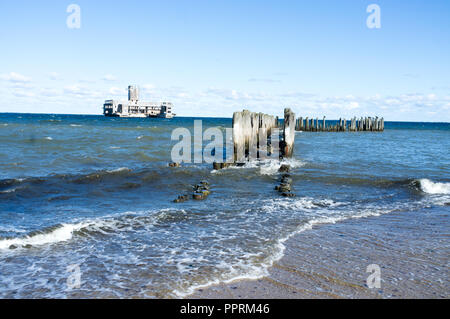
[
  {"x": 49, "y": 138},
  {"x": 75, "y": 125},
  {"x": 430, "y": 187},
  {"x": 62, "y": 233},
  {"x": 11, "y": 190},
  {"x": 105, "y": 225},
  {"x": 118, "y": 170},
  {"x": 251, "y": 271},
  {"x": 11, "y": 229},
  {"x": 271, "y": 167},
  {"x": 266, "y": 167}
]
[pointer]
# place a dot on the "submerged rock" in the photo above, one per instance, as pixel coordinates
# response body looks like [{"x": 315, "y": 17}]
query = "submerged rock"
[
  {"x": 285, "y": 184},
  {"x": 173, "y": 164},
  {"x": 288, "y": 194},
  {"x": 218, "y": 166},
  {"x": 198, "y": 196},
  {"x": 284, "y": 188},
  {"x": 181, "y": 198},
  {"x": 284, "y": 168}
]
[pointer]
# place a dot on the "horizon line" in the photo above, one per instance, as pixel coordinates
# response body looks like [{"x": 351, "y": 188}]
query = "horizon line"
[{"x": 214, "y": 117}]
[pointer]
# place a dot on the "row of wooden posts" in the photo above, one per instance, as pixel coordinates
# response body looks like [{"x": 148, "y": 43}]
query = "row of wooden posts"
[
  {"x": 354, "y": 125},
  {"x": 252, "y": 133}
]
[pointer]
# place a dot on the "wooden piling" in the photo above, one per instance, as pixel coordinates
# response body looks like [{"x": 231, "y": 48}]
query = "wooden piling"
[
  {"x": 247, "y": 127},
  {"x": 288, "y": 132}
]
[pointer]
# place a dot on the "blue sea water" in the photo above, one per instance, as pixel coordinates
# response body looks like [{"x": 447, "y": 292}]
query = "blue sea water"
[{"x": 97, "y": 192}]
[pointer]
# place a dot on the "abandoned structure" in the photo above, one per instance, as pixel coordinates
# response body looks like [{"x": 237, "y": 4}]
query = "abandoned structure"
[{"x": 136, "y": 108}]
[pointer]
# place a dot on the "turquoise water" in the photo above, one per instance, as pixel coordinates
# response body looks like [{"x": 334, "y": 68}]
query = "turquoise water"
[{"x": 97, "y": 192}]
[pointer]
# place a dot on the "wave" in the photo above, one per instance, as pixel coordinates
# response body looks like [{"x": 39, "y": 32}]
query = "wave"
[
  {"x": 430, "y": 187},
  {"x": 14, "y": 184},
  {"x": 99, "y": 175},
  {"x": 266, "y": 167},
  {"x": 118, "y": 170},
  {"x": 94, "y": 227},
  {"x": 250, "y": 271},
  {"x": 54, "y": 234},
  {"x": 11, "y": 190}
]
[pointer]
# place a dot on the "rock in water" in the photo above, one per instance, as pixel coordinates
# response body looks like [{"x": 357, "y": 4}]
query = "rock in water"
[
  {"x": 174, "y": 164},
  {"x": 284, "y": 168}
]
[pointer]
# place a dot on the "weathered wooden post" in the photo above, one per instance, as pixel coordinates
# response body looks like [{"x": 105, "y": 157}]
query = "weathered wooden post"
[
  {"x": 306, "y": 124},
  {"x": 288, "y": 132},
  {"x": 250, "y": 132},
  {"x": 323, "y": 124}
]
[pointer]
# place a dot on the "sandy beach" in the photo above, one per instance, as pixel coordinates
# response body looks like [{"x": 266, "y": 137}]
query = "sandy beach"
[{"x": 330, "y": 261}]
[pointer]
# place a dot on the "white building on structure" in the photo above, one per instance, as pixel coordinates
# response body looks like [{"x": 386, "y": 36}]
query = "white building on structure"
[{"x": 136, "y": 108}]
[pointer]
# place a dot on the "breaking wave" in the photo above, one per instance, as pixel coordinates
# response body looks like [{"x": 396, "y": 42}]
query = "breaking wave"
[
  {"x": 53, "y": 234},
  {"x": 266, "y": 167},
  {"x": 430, "y": 187},
  {"x": 128, "y": 221}
]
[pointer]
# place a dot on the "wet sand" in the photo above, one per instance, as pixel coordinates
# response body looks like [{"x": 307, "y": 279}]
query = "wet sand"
[{"x": 330, "y": 261}]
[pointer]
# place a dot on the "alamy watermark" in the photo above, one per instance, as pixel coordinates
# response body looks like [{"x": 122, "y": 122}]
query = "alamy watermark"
[
  {"x": 374, "y": 279},
  {"x": 74, "y": 278},
  {"x": 374, "y": 19},
  {"x": 232, "y": 147},
  {"x": 74, "y": 19}
]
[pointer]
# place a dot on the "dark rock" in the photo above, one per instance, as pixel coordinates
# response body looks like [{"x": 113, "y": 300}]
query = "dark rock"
[
  {"x": 288, "y": 194},
  {"x": 12, "y": 247},
  {"x": 172, "y": 164},
  {"x": 284, "y": 168},
  {"x": 284, "y": 189},
  {"x": 206, "y": 193},
  {"x": 198, "y": 196},
  {"x": 181, "y": 198},
  {"x": 218, "y": 166}
]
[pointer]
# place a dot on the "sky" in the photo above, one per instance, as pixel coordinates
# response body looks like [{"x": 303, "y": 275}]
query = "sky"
[{"x": 211, "y": 58}]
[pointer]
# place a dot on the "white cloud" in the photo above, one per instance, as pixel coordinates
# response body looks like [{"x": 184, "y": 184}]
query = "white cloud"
[
  {"x": 23, "y": 93},
  {"x": 49, "y": 92},
  {"x": 109, "y": 78},
  {"x": 264, "y": 80},
  {"x": 54, "y": 76},
  {"x": 353, "y": 105},
  {"x": 118, "y": 91},
  {"x": 16, "y": 78},
  {"x": 72, "y": 89}
]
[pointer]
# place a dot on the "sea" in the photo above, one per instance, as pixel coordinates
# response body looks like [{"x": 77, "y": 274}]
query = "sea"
[{"x": 87, "y": 211}]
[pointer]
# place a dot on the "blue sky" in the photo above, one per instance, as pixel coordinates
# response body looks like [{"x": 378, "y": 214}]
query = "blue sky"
[{"x": 211, "y": 58}]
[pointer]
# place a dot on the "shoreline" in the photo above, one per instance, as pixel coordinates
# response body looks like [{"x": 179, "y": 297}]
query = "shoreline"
[{"x": 330, "y": 261}]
